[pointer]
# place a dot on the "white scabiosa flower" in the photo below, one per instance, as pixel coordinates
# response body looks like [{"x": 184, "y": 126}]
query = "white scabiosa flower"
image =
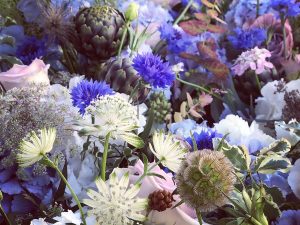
[
  {"x": 115, "y": 203},
  {"x": 33, "y": 148},
  {"x": 168, "y": 150},
  {"x": 115, "y": 115}
]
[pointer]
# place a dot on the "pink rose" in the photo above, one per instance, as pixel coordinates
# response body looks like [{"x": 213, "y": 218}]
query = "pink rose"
[
  {"x": 22, "y": 75},
  {"x": 179, "y": 215}
]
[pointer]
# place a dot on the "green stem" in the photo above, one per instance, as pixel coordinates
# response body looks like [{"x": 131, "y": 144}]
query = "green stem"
[
  {"x": 182, "y": 14},
  {"x": 135, "y": 89},
  {"x": 257, "y": 81},
  {"x": 123, "y": 38},
  {"x": 199, "y": 216},
  {"x": 68, "y": 59},
  {"x": 104, "y": 157},
  {"x": 283, "y": 19},
  {"x": 198, "y": 87},
  {"x": 7, "y": 221},
  {"x": 257, "y": 8},
  {"x": 145, "y": 174},
  {"x": 51, "y": 164}
]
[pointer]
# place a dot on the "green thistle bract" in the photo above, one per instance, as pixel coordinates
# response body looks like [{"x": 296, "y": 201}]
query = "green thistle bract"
[{"x": 204, "y": 178}]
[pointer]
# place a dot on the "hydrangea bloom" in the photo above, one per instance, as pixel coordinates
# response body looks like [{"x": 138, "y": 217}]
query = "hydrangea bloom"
[
  {"x": 254, "y": 59},
  {"x": 204, "y": 138},
  {"x": 87, "y": 91},
  {"x": 289, "y": 217},
  {"x": 286, "y": 7},
  {"x": 153, "y": 70},
  {"x": 246, "y": 39}
]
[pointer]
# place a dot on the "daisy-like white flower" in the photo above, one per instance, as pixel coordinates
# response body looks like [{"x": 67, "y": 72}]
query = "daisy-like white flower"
[
  {"x": 35, "y": 146},
  {"x": 115, "y": 115},
  {"x": 115, "y": 203},
  {"x": 168, "y": 150}
]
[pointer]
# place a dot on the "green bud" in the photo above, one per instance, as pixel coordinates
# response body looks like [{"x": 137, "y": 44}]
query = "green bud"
[{"x": 132, "y": 12}]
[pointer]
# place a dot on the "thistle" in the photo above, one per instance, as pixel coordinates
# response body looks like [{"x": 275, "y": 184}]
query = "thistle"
[{"x": 204, "y": 180}]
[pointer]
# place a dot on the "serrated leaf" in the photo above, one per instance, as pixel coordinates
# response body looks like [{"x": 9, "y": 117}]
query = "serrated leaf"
[
  {"x": 271, "y": 163},
  {"x": 280, "y": 147}
]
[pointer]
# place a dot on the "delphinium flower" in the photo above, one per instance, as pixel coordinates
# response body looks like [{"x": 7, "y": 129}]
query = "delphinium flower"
[
  {"x": 254, "y": 59},
  {"x": 153, "y": 70},
  {"x": 204, "y": 138},
  {"x": 204, "y": 178},
  {"x": 115, "y": 203},
  {"x": 115, "y": 115},
  {"x": 168, "y": 150},
  {"x": 30, "y": 49},
  {"x": 247, "y": 39},
  {"x": 87, "y": 91},
  {"x": 289, "y": 8}
]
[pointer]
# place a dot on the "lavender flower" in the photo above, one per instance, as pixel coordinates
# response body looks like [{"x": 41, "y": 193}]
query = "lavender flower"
[
  {"x": 153, "y": 70},
  {"x": 254, "y": 59}
]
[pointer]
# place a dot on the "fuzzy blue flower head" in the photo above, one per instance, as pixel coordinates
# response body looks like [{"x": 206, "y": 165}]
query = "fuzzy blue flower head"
[
  {"x": 247, "y": 39},
  {"x": 153, "y": 70},
  {"x": 286, "y": 7},
  {"x": 87, "y": 91},
  {"x": 30, "y": 49},
  {"x": 289, "y": 217},
  {"x": 204, "y": 138}
]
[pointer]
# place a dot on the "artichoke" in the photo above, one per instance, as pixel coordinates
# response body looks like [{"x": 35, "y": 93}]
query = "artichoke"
[
  {"x": 123, "y": 78},
  {"x": 98, "y": 32},
  {"x": 160, "y": 105}
]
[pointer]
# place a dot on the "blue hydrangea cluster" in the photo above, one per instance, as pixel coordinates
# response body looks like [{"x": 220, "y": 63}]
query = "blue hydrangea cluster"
[
  {"x": 153, "y": 70},
  {"x": 86, "y": 91},
  {"x": 30, "y": 49},
  {"x": 247, "y": 39},
  {"x": 286, "y": 7},
  {"x": 203, "y": 138}
]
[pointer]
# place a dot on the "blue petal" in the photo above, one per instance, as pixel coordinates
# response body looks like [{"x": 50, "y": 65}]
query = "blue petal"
[{"x": 11, "y": 187}]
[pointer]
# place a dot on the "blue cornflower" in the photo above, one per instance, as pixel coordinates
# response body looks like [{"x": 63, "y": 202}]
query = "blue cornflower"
[
  {"x": 247, "y": 39},
  {"x": 153, "y": 70},
  {"x": 286, "y": 7},
  {"x": 289, "y": 217},
  {"x": 87, "y": 91},
  {"x": 203, "y": 138},
  {"x": 30, "y": 49}
]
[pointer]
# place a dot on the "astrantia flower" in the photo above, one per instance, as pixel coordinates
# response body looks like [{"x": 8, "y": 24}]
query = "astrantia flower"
[
  {"x": 168, "y": 150},
  {"x": 204, "y": 138},
  {"x": 247, "y": 39},
  {"x": 254, "y": 59},
  {"x": 30, "y": 49},
  {"x": 115, "y": 115},
  {"x": 203, "y": 179},
  {"x": 115, "y": 203},
  {"x": 33, "y": 148},
  {"x": 87, "y": 91},
  {"x": 286, "y": 7},
  {"x": 153, "y": 70}
]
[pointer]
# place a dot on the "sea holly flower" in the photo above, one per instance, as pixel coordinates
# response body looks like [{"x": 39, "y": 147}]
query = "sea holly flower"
[
  {"x": 116, "y": 203},
  {"x": 168, "y": 150},
  {"x": 36, "y": 146},
  {"x": 254, "y": 59}
]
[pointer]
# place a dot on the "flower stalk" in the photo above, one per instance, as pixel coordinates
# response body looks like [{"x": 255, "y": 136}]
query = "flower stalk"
[
  {"x": 6, "y": 219},
  {"x": 104, "y": 157},
  {"x": 283, "y": 19},
  {"x": 182, "y": 14},
  {"x": 147, "y": 172},
  {"x": 123, "y": 37}
]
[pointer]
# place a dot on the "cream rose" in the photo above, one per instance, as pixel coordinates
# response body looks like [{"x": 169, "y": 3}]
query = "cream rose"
[{"x": 22, "y": 75}]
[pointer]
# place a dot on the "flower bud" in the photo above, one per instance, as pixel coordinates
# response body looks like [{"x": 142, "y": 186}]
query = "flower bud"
[{"x": 132, "y": 12}]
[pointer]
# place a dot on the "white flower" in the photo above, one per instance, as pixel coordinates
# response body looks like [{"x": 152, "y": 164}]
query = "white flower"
[
  {"x": 239, "y": 133},
  {"x": 287, "y": 131},
  {"x": 115, "y": 115},
  {"x": 32, "y": 150},
  {"x": 294, "y": 178},
  {"x": 115, "y": 203},
  {"x": 168, "y": 150},
  {"x": 39, "y": 221},
  {"x": 68, "y": 217}
]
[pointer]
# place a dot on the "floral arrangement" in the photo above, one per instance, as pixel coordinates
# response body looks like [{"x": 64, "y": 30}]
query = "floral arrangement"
[{"x": 153, "y": 112}]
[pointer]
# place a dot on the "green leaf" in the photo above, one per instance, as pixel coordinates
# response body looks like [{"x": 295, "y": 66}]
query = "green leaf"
[
  {"x": 148, "y": 126},
  {"x": 8, "y": 40},
  {"x": 280, "y": 147},
  {"x": 271, "y": 163},
  {"x": 133, "y": 140},
  {"x": 146, "y": 163},
  {"x": 10, "y": 59}
]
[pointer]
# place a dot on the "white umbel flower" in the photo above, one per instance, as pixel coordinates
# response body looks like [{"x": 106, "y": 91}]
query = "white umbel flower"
[
  {"x": 115, "y": 203},
  {"x": 168, "y": 150},
  {"x": 34, "y": 147},
  {"x": 114, "y": 114}
]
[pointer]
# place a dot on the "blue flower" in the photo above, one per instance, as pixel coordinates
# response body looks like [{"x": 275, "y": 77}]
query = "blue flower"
[
  {"x": 289, "y": 217},
  {"x": 153, "y": 70},
  {"x": 286, "y": 7},
  {"x": 30, "y": 49},
  {"x": 247, "y": 39},
  {"x": 203, "y": 138},
  {"x": 87, "y": 91}
]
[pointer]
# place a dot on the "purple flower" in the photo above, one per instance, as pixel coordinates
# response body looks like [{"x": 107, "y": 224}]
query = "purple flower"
[
  {"x": 204, "y": 138},
  {"x": 286, "y": 7},
  {"x": 153, "y": 70},
  {"x": 289, "y": 217},
  {"x": 87, "y": 91}
]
